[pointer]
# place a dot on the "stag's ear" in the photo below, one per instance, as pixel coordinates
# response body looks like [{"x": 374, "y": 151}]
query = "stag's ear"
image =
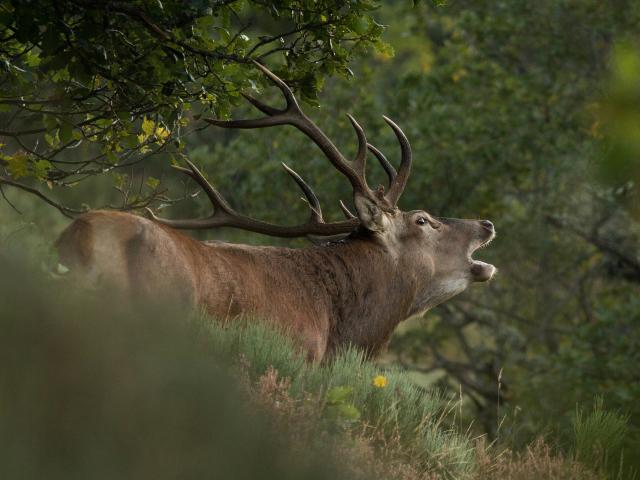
[{"x": 370, "y": 214}]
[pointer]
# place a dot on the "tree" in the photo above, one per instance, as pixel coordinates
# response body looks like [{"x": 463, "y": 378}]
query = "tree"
[
  {"x": 507, "y": 113},
  {"x": 90, "y": 88}
]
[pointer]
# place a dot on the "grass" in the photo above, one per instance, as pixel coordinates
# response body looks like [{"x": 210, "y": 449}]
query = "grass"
[
  {"x": 413, "y": 426},
  {"x": 399, "y": 412},
  {"x": 599, "y": 437},
  {"x": 88, "y": 390},
  {"x": 537, "y": 461}
]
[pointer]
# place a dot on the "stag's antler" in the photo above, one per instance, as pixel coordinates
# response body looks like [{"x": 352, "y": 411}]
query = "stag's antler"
[
  {"x": 292, "y": 114},
  {"x": 397, "y": 180},
  {"x": 225, "y": 216}
]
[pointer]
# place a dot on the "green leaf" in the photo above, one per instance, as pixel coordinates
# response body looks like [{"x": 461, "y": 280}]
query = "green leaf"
[
  {"x": 50, "y": 122},
  {"x": 111, "y": 156},
  {"x": 152, "y": 182},
  {"x": 339, "y": 394},
  {"x": 66, "y": 132},
  {"x": 348, "y": 411},
  {"x": 41, "y": 168},
  {"x": 130, "y": 141},
  {"x": 359, "y": 25},
  {"x": 384, "y": 48},
  {"x": 17, "y": 164}
]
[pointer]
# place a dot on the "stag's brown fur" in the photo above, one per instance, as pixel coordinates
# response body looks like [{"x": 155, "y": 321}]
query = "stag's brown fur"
[{"x": 351, "y": 292}]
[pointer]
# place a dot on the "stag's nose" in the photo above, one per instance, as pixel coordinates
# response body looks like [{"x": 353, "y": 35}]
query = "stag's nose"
[{"x": 487, "y": 224}]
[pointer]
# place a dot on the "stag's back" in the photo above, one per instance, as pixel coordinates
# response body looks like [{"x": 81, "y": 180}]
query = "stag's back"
[
  {"x": 119, "y": 251},
  {"x": 142, "y": 261}
]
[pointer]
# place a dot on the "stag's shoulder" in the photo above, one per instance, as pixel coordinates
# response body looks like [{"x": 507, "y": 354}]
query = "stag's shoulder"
[{"x": 108, "y": 226}]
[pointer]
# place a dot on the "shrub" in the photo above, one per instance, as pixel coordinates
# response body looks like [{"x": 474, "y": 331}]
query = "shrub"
[{"x": 398, "y": 412}]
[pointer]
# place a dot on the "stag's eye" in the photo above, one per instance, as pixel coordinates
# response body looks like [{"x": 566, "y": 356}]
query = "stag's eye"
[{"x": 426, "y": 220}]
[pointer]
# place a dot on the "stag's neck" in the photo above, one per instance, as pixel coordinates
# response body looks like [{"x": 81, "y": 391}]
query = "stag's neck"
[
  {"x": 353, "y": 292},
  {"x": 369, "y": 291}
]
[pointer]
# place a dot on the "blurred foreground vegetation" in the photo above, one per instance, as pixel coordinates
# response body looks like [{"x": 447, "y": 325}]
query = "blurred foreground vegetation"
[
  {"x": 89, "y": 390},
  {"x": 526, "y": 114}
]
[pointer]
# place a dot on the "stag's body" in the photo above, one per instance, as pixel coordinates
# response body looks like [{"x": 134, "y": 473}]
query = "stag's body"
[
  {"x": 389, "y": 266},
  {"x": 354, "y": 291}
]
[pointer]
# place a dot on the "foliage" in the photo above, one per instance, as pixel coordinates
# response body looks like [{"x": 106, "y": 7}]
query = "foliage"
[
  {"x": 509, "y": 107},
  {"x": 119, "y": 82},
  {"x": 620, "y": 117}
]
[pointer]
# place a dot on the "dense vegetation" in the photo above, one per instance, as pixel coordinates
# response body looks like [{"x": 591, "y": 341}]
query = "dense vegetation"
[
  {"x": 524, "y": 113},
  {"x": 124, "y": 80},
  {"x": 89, "y": 390}
]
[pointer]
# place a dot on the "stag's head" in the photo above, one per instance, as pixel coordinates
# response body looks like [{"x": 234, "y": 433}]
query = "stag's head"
[{"x": 438, "y": 249}]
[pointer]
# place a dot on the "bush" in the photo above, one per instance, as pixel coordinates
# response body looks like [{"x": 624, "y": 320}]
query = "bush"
[{"x": 398, "y": 412}]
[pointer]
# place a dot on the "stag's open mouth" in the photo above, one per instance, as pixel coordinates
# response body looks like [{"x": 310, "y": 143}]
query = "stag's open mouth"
[{"x": 481, "y": 271}]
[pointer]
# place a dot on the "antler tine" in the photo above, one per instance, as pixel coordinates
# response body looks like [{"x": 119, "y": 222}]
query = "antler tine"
[
  {"x": 224, "y": 216},
  {"x": 386, "y": 165},
  {"x": 284, "y": 88},
  {"x": 359, "y": 163},
  {"x": 218, "y": 201},
  {"x": 400, "y": 181},
  {"x": 263, "y": 107},
  {"x": 346, "y": 211},
  {"x": 293, "y": 115},
  {"x": 222, "y": 211},
  {"x": 312, "y": 199}
]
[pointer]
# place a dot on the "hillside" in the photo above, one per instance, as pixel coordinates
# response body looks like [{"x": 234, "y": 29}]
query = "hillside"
[{"x": 91, "y": 391}]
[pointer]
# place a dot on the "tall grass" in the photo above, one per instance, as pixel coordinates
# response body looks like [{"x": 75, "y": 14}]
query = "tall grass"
[
  {"x": 599, "y": 438},
  {"x": 400, "y": 411},
  {"x": 415, "y": 422}
]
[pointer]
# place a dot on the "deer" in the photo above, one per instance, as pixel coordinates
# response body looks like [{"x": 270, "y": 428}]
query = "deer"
[{"x": 381, "y": 266}]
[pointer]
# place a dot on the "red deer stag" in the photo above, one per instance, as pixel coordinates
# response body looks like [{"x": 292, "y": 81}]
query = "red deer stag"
[{"x": 391, "y": 264}]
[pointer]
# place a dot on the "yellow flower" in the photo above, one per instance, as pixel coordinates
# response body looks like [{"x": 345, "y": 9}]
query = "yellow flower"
[{"x": 380, "y": 381}]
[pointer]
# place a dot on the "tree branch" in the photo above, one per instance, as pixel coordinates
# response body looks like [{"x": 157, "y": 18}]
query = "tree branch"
[
  {"x": 66, "y": 211},
  {"x": 601, "y": 244}
]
